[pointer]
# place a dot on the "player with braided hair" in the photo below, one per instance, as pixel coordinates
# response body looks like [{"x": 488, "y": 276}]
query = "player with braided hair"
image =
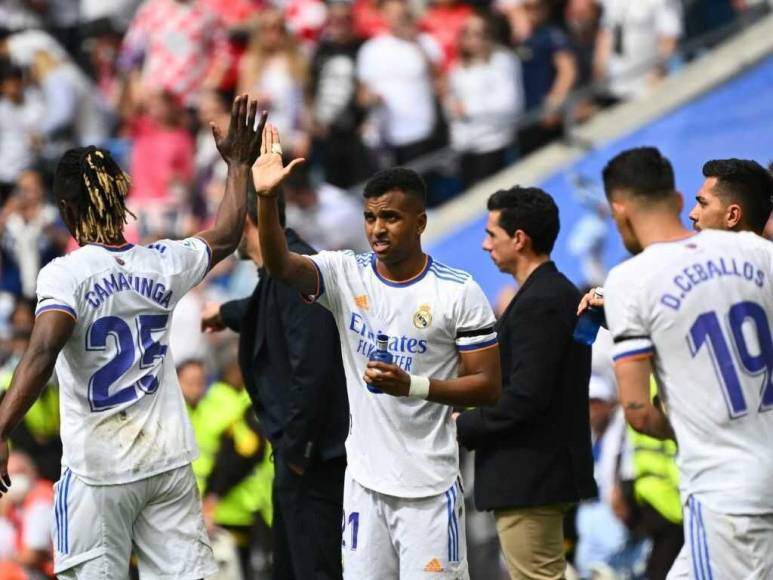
[
  {"x": 128, "y": 444},
  {"x": 91, "y": 189}
]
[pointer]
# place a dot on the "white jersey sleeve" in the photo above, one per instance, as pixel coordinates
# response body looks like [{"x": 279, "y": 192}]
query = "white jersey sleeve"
[
  {"x": 474, "y": 319},
  {"x": 191, "y": 260},
  {"x": 56, "y": 289},
  {"x": 330, "y": 266},
  {"x": 624, "y": 308}
]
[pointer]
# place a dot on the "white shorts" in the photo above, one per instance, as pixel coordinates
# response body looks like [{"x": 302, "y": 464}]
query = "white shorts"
[
  {"x": 96, "y": 526},
  {"x": 387, "y": 537},
  {"x": 721, "y": 546}
]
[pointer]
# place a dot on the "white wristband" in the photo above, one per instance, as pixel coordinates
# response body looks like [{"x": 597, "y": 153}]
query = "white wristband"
[{"x": 419, "y": 387}]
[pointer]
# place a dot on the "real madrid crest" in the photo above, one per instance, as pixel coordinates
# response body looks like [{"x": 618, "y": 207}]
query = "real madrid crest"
[{"x": 423, "y": 316}]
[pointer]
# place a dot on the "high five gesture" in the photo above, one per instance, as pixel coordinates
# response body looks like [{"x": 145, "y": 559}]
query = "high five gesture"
[{"x": 269, "y": 172}]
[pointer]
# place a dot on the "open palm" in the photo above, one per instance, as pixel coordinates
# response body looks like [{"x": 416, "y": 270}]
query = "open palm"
[{"x": 269, "y": 172}]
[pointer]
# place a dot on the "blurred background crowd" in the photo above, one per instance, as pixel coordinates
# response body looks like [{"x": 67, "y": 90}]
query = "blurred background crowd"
[{"x": 457, "y": 89}]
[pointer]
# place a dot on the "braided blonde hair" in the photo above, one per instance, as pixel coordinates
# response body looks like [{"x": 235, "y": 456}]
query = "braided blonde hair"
[{"x": 95, "y": 189}]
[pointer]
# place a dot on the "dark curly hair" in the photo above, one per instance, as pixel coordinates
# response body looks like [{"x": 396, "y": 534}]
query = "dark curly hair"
[{"x": 529, "y": 209}]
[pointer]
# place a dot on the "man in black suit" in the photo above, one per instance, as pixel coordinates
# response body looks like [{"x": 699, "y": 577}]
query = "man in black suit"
[
  {"x": 533, "y": 449},
  {"x": 291, "y": 361}
]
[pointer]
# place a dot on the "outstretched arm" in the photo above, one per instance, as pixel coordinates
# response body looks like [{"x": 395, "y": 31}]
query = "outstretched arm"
[
  {"x": 51, "y": 332},
  {"x": 268, "y": 174},
  {"x": 239, "y": 148}
]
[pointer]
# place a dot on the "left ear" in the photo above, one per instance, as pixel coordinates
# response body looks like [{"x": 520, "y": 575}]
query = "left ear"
[
  {"x": 733, "y": 216},
  {"x": 421, "y": 221}
]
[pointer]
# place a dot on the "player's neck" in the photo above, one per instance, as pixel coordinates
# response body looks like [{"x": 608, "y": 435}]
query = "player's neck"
[
  {"x": 403, "y": 270},
  {"x": 119, "y": 241},
  {"x": 660, "y": 227}
]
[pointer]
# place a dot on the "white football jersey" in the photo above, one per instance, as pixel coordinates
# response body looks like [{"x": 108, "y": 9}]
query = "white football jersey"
[
  {"x": 396, "y": 445},
  {"x": 702, "y": 308},
  {"x": 123, "y": 417}
]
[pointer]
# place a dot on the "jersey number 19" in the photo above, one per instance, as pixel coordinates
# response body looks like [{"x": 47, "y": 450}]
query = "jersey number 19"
[{"x": 708, "y": 330}]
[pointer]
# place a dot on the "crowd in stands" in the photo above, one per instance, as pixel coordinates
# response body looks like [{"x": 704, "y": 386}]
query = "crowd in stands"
[{"x": 353, "y": 86}]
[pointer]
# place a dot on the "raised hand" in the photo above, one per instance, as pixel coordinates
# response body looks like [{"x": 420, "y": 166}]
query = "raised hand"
[
  {"x": 242, "y": 144},
  {"x": 268, "y": 172}
]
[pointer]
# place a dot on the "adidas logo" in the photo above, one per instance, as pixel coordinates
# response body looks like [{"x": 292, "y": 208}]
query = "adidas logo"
[{"x": 433, "y": 566}]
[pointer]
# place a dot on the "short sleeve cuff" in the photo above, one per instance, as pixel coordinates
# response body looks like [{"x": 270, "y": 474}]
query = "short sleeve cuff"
[
  {"x": 209, "y": 254},
  {"x": 470, "y": 341},
  {"x": 632, "y": 349},
  {"x": 50, "y": 304},
  {"x": 312, "y": 298}
]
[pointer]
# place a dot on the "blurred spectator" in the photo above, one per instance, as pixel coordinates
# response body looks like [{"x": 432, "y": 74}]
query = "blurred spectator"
[
  {"x": 62, "y": 18},
  {"x": 635, "y": 42},
  {"x": 180, "y": 46},
  {"x": 655, "y": 501},
  {"x": 118, "y": 13},
  {"x": 162, "y": 167},
  {"x": 515, "y": 14},
  {"x": 74, "y": 113},
  {"x": 549, "y": 74},
  {"x": 21, "y": 46},
  {"x": 484, "y": 101},
  {"x": 588, "y": 236},
  {"x": 185, "y": 340},
  {"x": 18, "y": 14},
  {"x": 336, "y": 116},
  {"x": 305, "y": 20},
  {"x": 38, "y": 433},
  {"x": 28, "y": 510},
  {"x": 582, "y": 22},
  {"x": 369, "y": 19},
  {"x": 21, "y": 115},
  {"x": 326, "y": 216},
  {"x": 31, "y": 235},
  {"x": 235, "y": 490},
  {"x": 213, "y": 108},
  {"x": 397, "y": 71},
  {"x": 273, "y": 71},
  {"x": 602, "y": 536},
  {"x": 444, "y": 20}
]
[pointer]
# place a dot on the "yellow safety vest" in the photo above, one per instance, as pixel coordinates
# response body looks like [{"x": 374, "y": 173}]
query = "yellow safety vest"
[
  {"x": 656, "y": 477},
  {"x": 42, "y": 420},
  {"x": 221, "y": 412}
]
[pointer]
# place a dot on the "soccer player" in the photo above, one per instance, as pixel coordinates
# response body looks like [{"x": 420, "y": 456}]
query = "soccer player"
[
  {"x": 403, "y": 500},
  {"x": 126, "y": 478},
  {"x": 733, "y": 197},
  {"x": 697, "y": 310}
]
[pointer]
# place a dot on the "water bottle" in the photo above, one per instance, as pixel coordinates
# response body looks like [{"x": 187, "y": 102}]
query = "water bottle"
[
  {"x": 589, "y": 322},
  {"x": 380, "y": 354}
]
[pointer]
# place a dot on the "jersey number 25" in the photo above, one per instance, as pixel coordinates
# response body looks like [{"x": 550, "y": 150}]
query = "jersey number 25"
[{"x": 100, "y": 398}]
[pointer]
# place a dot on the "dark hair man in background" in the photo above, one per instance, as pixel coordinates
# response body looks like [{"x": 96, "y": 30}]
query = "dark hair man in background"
[
  {"x": 735, "y": 196},
  {"x": 533, "y": 447},
  {"x": 290, "y": 357}
]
